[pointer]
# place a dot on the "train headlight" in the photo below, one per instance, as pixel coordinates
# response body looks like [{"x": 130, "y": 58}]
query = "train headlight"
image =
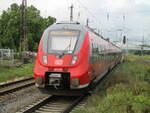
[
  {"x": 75, "y": 82},
  {"x": 44, "y": 58},
  {"x": 74, "y": 59},
  {"x": 39, "y": 82}
]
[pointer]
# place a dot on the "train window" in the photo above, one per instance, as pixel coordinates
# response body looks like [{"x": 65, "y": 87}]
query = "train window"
[
  {"x": 62, "y": 41},
  {"x": 95, "y": 49},
  {"x": 99, "y": 48},
  {"x": 106, "y": 57},
  {"x": 93, "y": 55}
]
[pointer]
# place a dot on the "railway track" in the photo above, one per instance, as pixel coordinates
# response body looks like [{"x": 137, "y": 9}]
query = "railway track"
[
  {"x": 15, "y": 86},
  {"x": 98, "y": 85},
  {"x": 53, "y": 104},
  {"x": 62, "y": 104}
]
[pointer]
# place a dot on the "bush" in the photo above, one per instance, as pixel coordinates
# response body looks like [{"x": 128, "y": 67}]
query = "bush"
[{"x": 127, "y": 90}]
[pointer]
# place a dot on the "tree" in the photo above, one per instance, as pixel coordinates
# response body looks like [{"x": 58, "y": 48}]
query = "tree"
[{"x": 10, "y": 27}]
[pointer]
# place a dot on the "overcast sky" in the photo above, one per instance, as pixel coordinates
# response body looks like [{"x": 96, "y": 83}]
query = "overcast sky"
[{"x": 135, "y": 25}]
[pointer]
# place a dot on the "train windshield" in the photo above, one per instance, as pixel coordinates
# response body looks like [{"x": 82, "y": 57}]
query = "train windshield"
[{"x": 62, "y": 41}]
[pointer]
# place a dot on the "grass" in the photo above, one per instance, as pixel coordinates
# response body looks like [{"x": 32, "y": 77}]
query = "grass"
[
  {"x": 15, "y": 72},
  {"x": 127, "y": 90}
]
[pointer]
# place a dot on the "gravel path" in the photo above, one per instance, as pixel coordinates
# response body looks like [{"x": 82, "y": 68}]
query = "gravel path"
[{"x": 16, "y": 101}]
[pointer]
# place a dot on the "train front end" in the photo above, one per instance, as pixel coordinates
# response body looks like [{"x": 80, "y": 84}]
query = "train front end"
[{"x": 62, "y": 62}]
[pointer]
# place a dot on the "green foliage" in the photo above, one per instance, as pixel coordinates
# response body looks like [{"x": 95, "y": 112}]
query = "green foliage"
[
  {"x": 127, "y": 90},
  {"x": 15, "y": 72},
  {"x": 120, "y": 99},
  {"x": 10, "y": 27}
]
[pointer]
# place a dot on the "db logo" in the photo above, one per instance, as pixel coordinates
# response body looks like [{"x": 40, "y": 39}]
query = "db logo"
[{"x": 59, "y": 62}]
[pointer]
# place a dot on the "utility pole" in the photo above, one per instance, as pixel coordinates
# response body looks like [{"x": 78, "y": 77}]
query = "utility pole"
[
  {"x": 124, "y": 17},
  {"x": 107, "y": 16},
  {"x": 142, "y": 46},
  {"x": 127, "y": 46},
  {"x": 23, "y": 26},
  {"x": 71, "y": 13},
  {"x": 78, "y": 15},
  {"x": 87, "y": 22}
]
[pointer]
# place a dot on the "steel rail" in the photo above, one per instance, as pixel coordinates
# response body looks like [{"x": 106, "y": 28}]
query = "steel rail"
[
  {"x": 53, "y": 104},
  {"x": 15, "y": 86},
  {"x": 76, "y": 102},
  {"x": 15, "y": 82}
]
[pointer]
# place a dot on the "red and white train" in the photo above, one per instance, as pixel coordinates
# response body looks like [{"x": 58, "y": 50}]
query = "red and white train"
[{"x": 70, "y": 57}]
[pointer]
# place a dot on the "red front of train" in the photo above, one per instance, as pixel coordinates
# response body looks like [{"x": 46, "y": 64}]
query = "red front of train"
[{"x": 63, "y": 57}]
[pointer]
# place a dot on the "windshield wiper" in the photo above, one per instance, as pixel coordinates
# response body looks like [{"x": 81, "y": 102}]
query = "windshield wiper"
[{"x": 69, "y": 46}]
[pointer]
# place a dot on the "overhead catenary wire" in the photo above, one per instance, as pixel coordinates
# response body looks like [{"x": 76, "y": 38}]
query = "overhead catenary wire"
[{"x": 88, "y": 11}]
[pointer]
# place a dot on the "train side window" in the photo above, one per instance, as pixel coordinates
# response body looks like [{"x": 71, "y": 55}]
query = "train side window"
[
  {"x": 95, "y": 52},
  {"x": 101, "y": 57},
  {"x": 99, "y": 48},
  {"x": 99, "y": 52},
  {"x": 94, "y": 48},
  {"x": 104, "y": 49},
  {"x": 108, "y": 57},
  {"x": 92, "y": 53},
  {"x": 105, "y": 57},
  {"x": 91, "y": 46}
]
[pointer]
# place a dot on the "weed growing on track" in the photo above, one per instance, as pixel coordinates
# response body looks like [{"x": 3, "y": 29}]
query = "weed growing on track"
[
  {"x": 15, "y": 72},
  {"x": 127, "y": 90}
]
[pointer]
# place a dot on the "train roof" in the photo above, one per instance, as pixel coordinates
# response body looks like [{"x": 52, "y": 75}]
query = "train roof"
[
  {"x": 67, "y": 25},
  {"x": 75, "y": 26},
  {"x": 90, "y": 29}
]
